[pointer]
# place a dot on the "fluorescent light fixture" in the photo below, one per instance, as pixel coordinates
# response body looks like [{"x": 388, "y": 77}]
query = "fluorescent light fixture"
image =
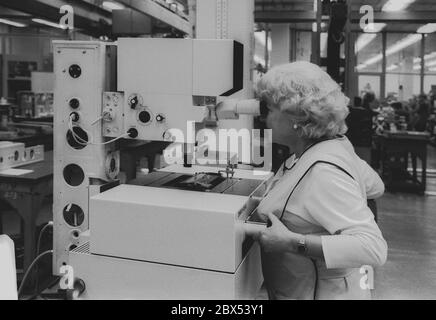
[
  {"x": 430, "y": 64},
  {"x": 13, "y": 23},
  {"x": 403, "y": 43},
  {"x": 398, "y": 46},
  {"x": 397, "y": 5},
  {"x": 369, "y": 35},
  {"x": 374, "y": 27},
  {"x": 426, "y": 57},
  {"x": 49, "y": 23},
  {"x": 364, "y": 40},
  {"x": 392, "y": 67},
  {"x": 112, "y": 5},
  {"x": 361, "y": 66},
  {"x": 428, "y": 28},
  {"x": 432, "y": 69}
]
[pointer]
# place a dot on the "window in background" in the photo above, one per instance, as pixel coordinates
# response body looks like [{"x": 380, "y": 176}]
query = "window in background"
[
  {"x": 304, "y": 46},
  {"x": 402, "y": 86},
  {"x": 403, "y": 52},
  {"x": 368, "y": 49},
  {"x": 260, "y": 54},
  {"x": 430, "y": 62},
  {"x": 403, "y": 70},
  {"x": 429, "y": 83}
]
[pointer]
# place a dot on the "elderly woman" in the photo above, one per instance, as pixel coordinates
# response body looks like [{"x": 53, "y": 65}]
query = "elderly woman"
[{"x": 321, "y": 230}]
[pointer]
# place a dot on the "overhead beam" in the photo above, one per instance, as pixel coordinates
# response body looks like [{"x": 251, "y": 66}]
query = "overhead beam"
[
  {"x": 91, "y": 20},
  {"x": 156, "y": 11},
  {"x": 355, "y": 16},
  {"x": 399, "y": 17},
  {"x": 284, "y": 16}
]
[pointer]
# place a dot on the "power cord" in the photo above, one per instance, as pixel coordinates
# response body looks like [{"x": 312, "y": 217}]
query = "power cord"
[
  {"x": 82, "y": 141},
  {"x": 38, "y": 248},
  {"x": 41, "y": 233},
  {"x": 26, "y": 275}
]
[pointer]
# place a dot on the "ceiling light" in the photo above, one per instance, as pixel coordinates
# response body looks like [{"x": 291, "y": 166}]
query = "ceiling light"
[
  {"x": 49, "y": 23},
  {"x": 369, "y": 35},
  {"x": 392, "y": 67},
  {"x": 430, "y": 64},
  {"x": 364, "y": 40},
  {"x": 426, "y": 57},
  {"x": 112, "y": 5},
  {"x": 374, "y": 27},
  {"x": 13, "y": 23},
  {"x": 398, "y": 46},
  {"x": 397, "y": 5},
  {"x": 361, "y": 66},
  {"x": 403, "y": 43},
  {"x": 428, "y": 28}
]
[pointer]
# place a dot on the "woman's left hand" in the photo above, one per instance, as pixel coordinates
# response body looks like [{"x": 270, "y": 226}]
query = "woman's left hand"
[{"x": 277, "y": 238}]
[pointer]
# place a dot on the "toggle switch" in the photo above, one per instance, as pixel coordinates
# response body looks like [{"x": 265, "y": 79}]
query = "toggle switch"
[{"x": 160, "y": 118}]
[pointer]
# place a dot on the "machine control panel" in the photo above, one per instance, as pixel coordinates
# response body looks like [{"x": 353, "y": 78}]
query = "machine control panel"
[{"x": 113, "y": 114}]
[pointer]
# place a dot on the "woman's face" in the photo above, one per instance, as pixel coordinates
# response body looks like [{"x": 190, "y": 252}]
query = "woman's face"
[{"x": 282, "y": 127}]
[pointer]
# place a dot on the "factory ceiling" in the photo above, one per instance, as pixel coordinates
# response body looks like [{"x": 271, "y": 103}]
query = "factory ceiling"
[{"x": 94, "y": 19}]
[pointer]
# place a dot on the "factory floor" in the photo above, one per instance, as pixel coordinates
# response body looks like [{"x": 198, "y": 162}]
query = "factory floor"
[{"x": 408, "y": 223}]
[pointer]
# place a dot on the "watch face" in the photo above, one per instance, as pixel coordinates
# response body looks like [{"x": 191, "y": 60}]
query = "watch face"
[{"x": 301, "y": 247}]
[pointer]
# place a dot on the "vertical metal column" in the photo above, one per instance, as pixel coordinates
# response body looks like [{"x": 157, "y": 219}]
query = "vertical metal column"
[
  {"x": 316, "y": 40},
  {"x": 384, "y": 62},
  {"x": 422, "y": 63}
]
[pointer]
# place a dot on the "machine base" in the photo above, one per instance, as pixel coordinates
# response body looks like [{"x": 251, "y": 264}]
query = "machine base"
[{"x": 109, "y": 278}]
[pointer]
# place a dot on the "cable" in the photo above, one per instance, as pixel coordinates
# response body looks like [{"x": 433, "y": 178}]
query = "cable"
[
  {"x": 83, "y": 142},
  {"x": 26, "y": 275},
  {"x": 38, "y": 247},
  {"x": 51, "y": 285},
  {"x": 97, "y": 120},
  {"x": 315, "y": 287},
  {"x": 41, "y": 233}
]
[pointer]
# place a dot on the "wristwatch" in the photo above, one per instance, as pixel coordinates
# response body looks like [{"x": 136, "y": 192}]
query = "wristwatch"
[{"x": 301, "y": 246}]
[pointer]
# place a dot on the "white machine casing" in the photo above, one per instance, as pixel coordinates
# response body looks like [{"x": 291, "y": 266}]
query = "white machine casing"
[
  {"x": 192, "y": 229},
  {"x": 11, "y": 154},
  {"x": 8, "y": 273},
  {"x": 14, "y": 154},
  {"x": 160, "y": 243},
  {"x": 94, "y": 62},
  {"x": 145, "y": 242},
  {"x": 166, "y": 75}
]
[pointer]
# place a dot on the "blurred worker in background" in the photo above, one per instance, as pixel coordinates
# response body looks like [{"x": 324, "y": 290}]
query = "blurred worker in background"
[{"x": 421, "y": 113}]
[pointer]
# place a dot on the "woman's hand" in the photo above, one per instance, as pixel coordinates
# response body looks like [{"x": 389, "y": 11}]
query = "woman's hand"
[{"x": 278, "y": 238}]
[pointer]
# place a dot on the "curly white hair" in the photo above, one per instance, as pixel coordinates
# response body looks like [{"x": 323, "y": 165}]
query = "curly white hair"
[{"x": 313, "y": 99}]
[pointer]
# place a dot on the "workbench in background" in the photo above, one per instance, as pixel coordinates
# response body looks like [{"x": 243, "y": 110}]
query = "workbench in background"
[
  {"x": 26, "y": 194},
  {"x": 396, "y": 149}
]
